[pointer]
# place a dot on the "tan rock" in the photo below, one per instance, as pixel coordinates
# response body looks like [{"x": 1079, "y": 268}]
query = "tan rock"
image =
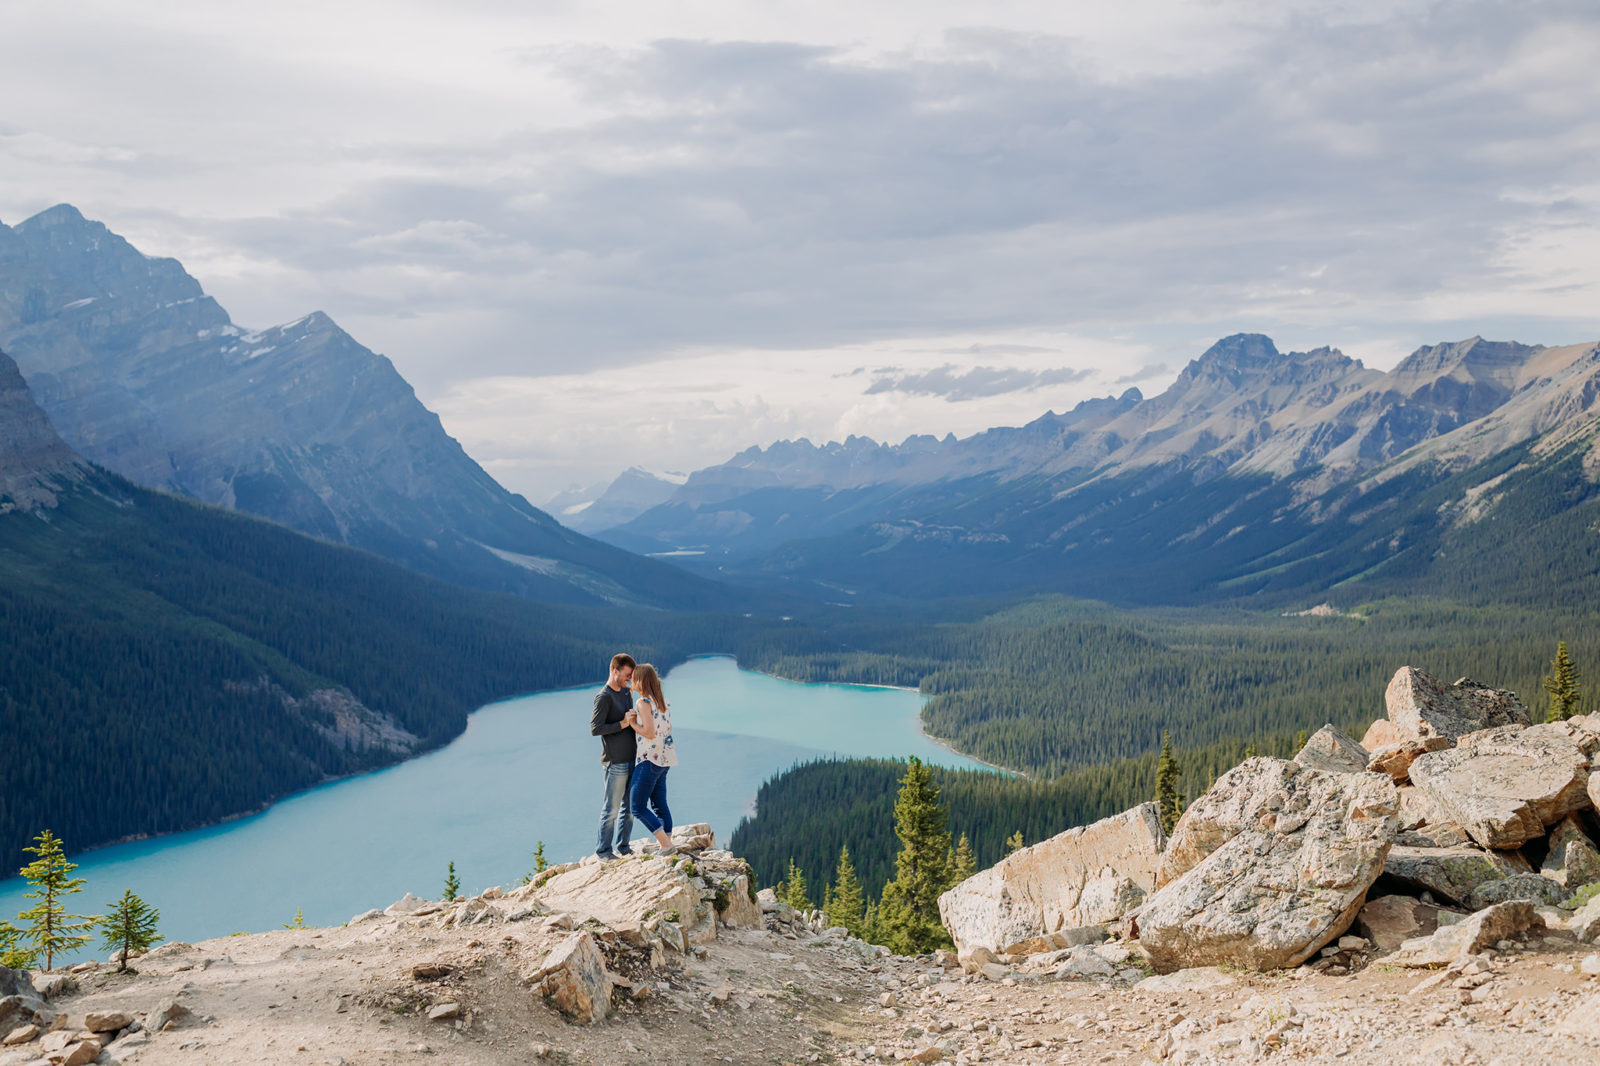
[
  {"x": 168, "y": 1015},
  {"x": 1420, "y": 706},
  {"x": 1382, "y": 733},
  {"x": 1572, "y": 860},
  {"x": 107, "y": 1021},
  {"x": 1390, "y": 921},
  {"x": 742, "y": 911},
  {"x": 79, "y": 1054},
  {"x": 1330, "y": 750},
  {"x": 1585, "y": 921},
  {"x": 1084, "y": 877},
  {"x": 1504, "y": 786},
  {"x": 21, "y": 1036},
  {"x": 1416, "y": 809},
  {"x": 1396, "y": 759},
  {"x": 1452, "y": 943},
  {"x": 635, "y": 890},
  {"x": 696, "y": 837},
  {"x": 1451, "y": 873},
  {"x": 573, "y": 979},
  {"x": 444, "y": 1012},
  {"x": 1298, "y": 850}
]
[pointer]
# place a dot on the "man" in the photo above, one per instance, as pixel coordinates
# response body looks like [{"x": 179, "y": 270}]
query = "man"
[{"x": 612, "y": 721}]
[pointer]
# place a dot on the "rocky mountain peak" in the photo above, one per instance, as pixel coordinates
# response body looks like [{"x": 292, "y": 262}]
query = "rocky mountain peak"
[{"x": 35, "y": 463}]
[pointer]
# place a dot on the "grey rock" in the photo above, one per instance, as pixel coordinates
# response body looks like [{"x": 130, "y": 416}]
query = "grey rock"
[
  {"x": 36, "y": 465},
  {"x": 170, "y": 1014},
  {"x": 1420, "y": 706},
  {"x": 1452, "y": 943},
  {"x": 573, "y": 979},
  {"x": 1085, "y": 962},
  {"x": 1535, "y": 888},
  {"x": 1505, "y": 785},
  {"x": 1572, "y": 860},
  {"x": 1451, "y": 873},
  {"x": 1286, "y": 855},
  {"x": 1330, "y": 750}
]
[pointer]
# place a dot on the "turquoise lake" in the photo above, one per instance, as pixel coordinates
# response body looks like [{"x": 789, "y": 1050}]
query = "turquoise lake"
[{"x": 525, "y": 770}]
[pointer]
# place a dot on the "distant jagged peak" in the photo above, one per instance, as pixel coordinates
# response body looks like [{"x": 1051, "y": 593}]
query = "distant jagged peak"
[
  {"x": 1245, "y": 358},
  {"x": 1473, "y": 357},
  {"x": 97, "y": 262}
]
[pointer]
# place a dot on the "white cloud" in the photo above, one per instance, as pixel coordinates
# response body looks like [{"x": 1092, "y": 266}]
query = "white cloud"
[{"x": 496, "y": 192}]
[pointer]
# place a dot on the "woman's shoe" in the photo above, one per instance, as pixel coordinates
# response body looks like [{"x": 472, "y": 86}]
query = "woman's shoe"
[{"x": 664, "y": 852}]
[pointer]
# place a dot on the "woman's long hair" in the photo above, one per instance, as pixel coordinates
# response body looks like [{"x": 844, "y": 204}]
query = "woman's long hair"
[{"x": 649, "y": 683}]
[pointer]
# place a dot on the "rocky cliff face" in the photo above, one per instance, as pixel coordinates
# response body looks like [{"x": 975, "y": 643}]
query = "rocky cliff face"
[
  {"x": 146, "y": 375},
  {"x": 35, "y": 463}
]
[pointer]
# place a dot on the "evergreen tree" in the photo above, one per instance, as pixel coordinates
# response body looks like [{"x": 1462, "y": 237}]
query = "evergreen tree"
[
  {"x": 452, "y": 883},
  {"x": 11, "y": 956},
  {"x": 872, "y": 925},
  {"x": 909, "y": 911},
  {"x": 299, "y": 921},
  {"x": 1167, "y": 771},
  {"x": 1015, "y": 843},
  {"x": 129, "y": 926},
  {"x": 1562, "y": 685},
  {"x": 963, "y": 864},
  {"x": 794, "y": 891},
  {"x": 845, "y": 904},
  {"x": 1250, "y": 750},
  {"x": 1300, "y": 741},
  {"x": 50, "y": 928},
  {"x": 540, "y": 864}
]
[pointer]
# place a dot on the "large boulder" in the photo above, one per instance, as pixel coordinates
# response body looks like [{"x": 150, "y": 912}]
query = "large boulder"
[
  {"x": 1328, "y": 749},
  {"x": 1275, "y": 861},
  {"x": 1420, "y": 706},
  {"x": 573, "y": 979},
  {"x": 1506, "y": 785},
  {"x": 1086, "y": 876},
  {"x": 1451, "y": 874},
  {"x": 1573, "y": 860},
  {"x": 1452, "y": 943}
]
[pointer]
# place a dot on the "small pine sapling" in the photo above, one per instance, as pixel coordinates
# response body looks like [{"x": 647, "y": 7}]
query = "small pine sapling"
[
  {"x": 129, "y": 926},
  {"x": 452, "y": 884},
  {"x": 1563, "y": 685},
  {"x": 1014, "y": 843},
  {"x": 13, "y": 957},
  {"x": 298, "y": 923},
  {"x": 50, "y": 929}
]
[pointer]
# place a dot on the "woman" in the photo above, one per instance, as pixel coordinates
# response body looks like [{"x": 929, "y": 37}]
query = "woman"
[{"x": 647, "y": 795}]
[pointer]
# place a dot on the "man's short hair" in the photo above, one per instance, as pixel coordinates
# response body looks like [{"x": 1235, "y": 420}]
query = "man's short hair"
[{"x": 620, "y": 660}]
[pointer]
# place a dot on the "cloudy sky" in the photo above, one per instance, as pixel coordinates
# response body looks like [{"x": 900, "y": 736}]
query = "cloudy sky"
[{"x": 648, "y": 232}]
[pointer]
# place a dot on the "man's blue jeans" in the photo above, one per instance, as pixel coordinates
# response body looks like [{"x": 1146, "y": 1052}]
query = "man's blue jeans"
[
  {"x": 618, "y": 776},
  {"x": 648, "y": 796}
]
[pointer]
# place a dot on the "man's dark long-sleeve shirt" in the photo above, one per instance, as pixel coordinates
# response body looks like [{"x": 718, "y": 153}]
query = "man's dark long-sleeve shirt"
[{"x": 619, "y": 744}]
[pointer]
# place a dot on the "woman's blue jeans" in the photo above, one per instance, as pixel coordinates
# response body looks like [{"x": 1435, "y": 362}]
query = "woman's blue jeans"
[{"x": 647, "y": 796}]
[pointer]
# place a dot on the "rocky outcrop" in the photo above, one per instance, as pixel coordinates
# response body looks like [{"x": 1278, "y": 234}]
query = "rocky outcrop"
[
  {"x": 21, "y": 1007},
  {"x": 1274, "y": 863},
  {"x": 1451, "y": 873},
  {"x": 1086, "y": 876},
  {"x": 1330, "y": 750},
  {"x": 1420, "y": 706},
  {"x": 1506, "y": 785}
]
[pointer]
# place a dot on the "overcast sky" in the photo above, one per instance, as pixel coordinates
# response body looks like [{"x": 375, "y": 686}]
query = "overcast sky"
[{"x": 643, "y": 232}]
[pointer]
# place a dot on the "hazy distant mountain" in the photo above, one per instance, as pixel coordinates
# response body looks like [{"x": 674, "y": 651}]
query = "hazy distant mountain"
[
  {"x": 1255, "y": 470},
  {"x": 602, "y": 506},
  {"x": 145, "y": 374},
  {"x": 36, "y": 465}
]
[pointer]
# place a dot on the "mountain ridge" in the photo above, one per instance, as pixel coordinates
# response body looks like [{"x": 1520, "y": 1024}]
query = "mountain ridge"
[{"x": 144, "y": 373}]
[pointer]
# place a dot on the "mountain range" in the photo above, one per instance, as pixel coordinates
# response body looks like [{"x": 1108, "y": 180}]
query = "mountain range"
[
  {"x": 144, "y": 374},
  {"x": 1256, "y": 471}
]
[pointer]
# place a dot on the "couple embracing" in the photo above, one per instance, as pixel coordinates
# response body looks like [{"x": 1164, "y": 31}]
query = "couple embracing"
[{"x": 634, "y": 725}]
